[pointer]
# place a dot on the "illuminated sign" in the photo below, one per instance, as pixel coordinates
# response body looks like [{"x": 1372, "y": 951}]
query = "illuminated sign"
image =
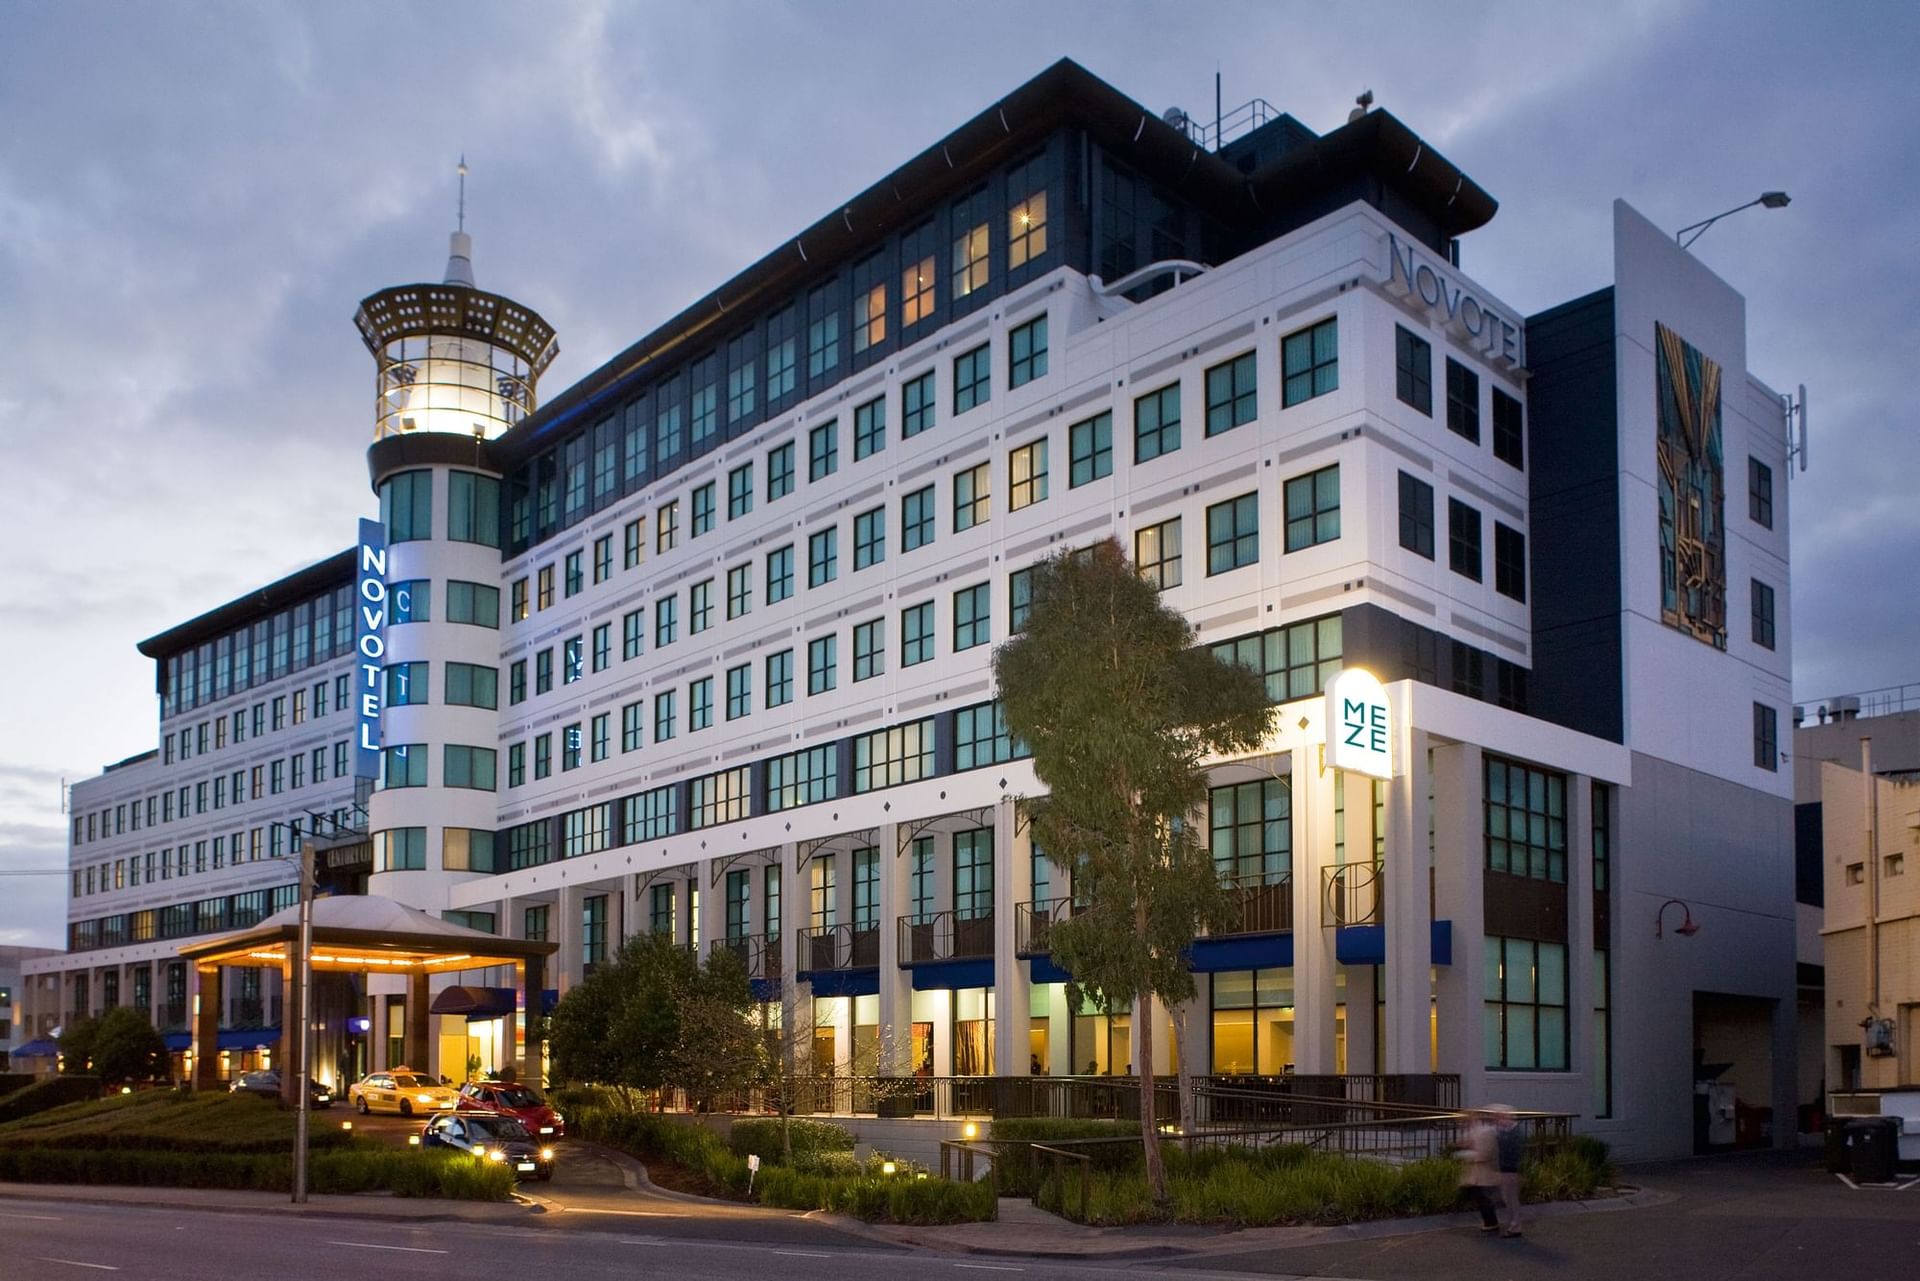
[
  {"x": 369, "y": 644},
  {"x": 1359, "y": 724},
  {"x": 1491, "y": 334}
]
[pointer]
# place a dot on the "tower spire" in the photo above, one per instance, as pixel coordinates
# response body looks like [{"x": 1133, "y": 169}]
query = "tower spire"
[{"x": 460, "y": 250}]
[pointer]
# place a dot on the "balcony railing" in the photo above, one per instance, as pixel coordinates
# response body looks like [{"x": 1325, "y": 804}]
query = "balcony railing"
[
  {"x": 838, "y": 947},
  {"x": 1352, "y": 894},
  {"x": 1262, "y": 903},
  {"x": 955, "y": 935},
  {"x": 758, "y": 954},
  {"x": 1032, "y": 923}
]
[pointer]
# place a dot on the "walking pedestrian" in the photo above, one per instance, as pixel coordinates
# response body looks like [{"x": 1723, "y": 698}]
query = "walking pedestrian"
[
  {"x": 1479, "y": 1167},
  {"x": 1510, "y": 1144}
]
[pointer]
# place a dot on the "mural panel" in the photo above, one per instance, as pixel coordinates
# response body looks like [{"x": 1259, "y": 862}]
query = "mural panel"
[{"x": 1693, "y": 542}]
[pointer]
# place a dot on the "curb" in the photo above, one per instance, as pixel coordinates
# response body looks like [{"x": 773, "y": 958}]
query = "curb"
[{"x": 65, "y": 1194}]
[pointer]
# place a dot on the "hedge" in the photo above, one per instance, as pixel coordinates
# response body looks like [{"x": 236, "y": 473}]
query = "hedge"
[
  {"x": 1020, "y": 1173},
  {"x": 363, "y": 1168},
  {"x": 53, "y": 1092},
  {"x": 762, "y": 1135}
]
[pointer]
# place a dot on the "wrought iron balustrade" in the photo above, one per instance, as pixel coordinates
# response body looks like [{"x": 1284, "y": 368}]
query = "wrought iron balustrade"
[{"x": 952, "y": 935}]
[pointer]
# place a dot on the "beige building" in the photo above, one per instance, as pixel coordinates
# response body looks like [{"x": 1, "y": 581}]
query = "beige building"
[{"x": 1871, "y": 930}]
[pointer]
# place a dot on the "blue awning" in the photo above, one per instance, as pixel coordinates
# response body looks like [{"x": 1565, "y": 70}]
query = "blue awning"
[
  {"x": 178, "y": 1040},
  {"x": 246, "y": 1038},
  {"x": 39, "y": 1049},
  {"x": 844, "y": 982},
  {"x": 764, "y": 989},
  {"x": 1367, "y": 944},
  {"x": 946, "y": 976},
  {"x": 1246, "y": 952},
  {"x": 475, "y": 1002},
  {"x": 1041, "y": 969}
]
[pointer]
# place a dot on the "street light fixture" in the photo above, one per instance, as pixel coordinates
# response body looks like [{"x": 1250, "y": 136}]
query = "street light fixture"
[{"x": 1770, "y": 199}]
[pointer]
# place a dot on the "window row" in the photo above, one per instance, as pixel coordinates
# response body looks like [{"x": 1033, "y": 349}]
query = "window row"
[
  {"x": 1413, "y": 384},
  {"x": 217, "y": 791}
]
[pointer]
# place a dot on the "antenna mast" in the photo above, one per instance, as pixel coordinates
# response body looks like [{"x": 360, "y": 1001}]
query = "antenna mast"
[{"x": 462, "y": 170}]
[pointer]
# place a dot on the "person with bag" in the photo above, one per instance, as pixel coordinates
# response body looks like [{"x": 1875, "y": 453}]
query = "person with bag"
[
  {"x": 1510, "y": 1145},
  {"x": 1479, "y": 1167}
]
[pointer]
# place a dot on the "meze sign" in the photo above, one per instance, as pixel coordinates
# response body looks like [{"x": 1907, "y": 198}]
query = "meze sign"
[{"x": 1359, "y": 724}]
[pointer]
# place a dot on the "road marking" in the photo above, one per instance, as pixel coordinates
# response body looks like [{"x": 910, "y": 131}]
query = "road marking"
[
  {"x": 50, "y": 1218},
  {"x": 989, "y": 1267},
  {"x": 76, "y": 1263},
  {"x": 804, "y": 1254},
  {"x": 632, "y": 1214},
  {"x": 368, "y": 1245}
]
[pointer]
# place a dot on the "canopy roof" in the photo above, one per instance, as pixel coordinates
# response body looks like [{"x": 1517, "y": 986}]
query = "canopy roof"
[{"x": 366, "y": 934}]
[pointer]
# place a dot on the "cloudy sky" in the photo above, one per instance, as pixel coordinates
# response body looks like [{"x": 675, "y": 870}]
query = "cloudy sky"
[{"x": 194, "y": 197}]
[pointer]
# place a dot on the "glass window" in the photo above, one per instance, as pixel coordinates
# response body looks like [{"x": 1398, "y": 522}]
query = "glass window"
[
  {"x": 972, "y": 243},
  {"x": 916, "y": 634},
  {"x": 1231, "y": 399},
  {"x": 739, "y": 691},
  {"x": 870, "y": 428},
  {"x": 471, "y": 685},
  {"x": 1156, "y": 423},
  {"x": 1526, "y": 1005},
  {"x": 576, "y": 575},
  {"x": 1413, "y": 369},
  {"x": 1416, "y": 515},
  {"x": 573, "y": 660},
  {"x": 1766, "y": 738},
  {"x": 469, "y": 767},
  {"x": 869, "y": 538},
  {"x": 1019, "y": 598},
  {"x": 1463, "y": 539},
  {"x": 869, "y": 649},
  {"x": 1463, "y": 401},
  {"x": 403, "y": 765},
  {"x": 1233, "y": 534},
  {"x": 603, "y": 558},
  {"x": 406, "y": 684},
  {"x": 916, "y": 519},
  {"x": 973, "y": 873},
  {"x": 888, "y": 757},
  {"x": 1313, "y": 508},
  {"x": 704, "y": 405},
  {"x": 1251, "y": 831},
  {"x": 916, "y": 287},
  {"x": 1026, "y": 212},
  {"x": 823, "y": 556},
  {"x": 570, "y": 745},
  {"x": 1156, "y": 553},
  {"x": 1509, "y": 429},
  {"x": 665, "y": 715},
  {"x": 667, "y": 527},
  {"x": 972, "y": 494},
  {"x": 473, "y": 508},
  {"x": 779, "y": 574},
  {"x": 1027, "y": 472},
  {"x": 1763, "y": 634},
  {"x": 980, "y": 737},
  {"x": 406, "y": 506},
  {"x": 823, "y": 450},
  {"x": 1091, "y": 450},
  {"x": 740, "y": 491},
  {"x": 869, "y": 317},
  {"x": 717, "y": 798},
  {"x": 1296, "y": 661},
  {"x": 972, "y": 617},
  {"x": 739, "y": 591},
  {"x": 780, "y": 471},
  {"x": 823, "y": 332},
  {"x": 803, "y": 778},
  {"x": 666, "y": 621},
  {"x": 632, "y": 726},
  {"x": 1526, "y": 820},
  {"x": 1027, "y": 352},
  {"x": 742, "y": 371},
  {"x": 822, "y": 664},
  {"x": 633, "y": 633},
  {"x": 399, "y": 849},
  {"x": 1509, "y": 562},
  {"x": 780, "y": 678},
  {"x": 972, "y": 378},
  {"x": 703, "y": 510},
  {"x": 1760, "y": 493},
  {"x": 700, "y": 704},
  {"x": 476, "y": 604},
  {"x": 916, "y": 405},
  {"x": 1310, "y": 362}
]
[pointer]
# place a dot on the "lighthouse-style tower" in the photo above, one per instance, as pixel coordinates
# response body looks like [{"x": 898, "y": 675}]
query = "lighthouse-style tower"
[{"x": 457, "y": 368}]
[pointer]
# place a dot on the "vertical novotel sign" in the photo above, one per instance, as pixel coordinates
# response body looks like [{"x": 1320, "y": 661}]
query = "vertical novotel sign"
[
  {"x": 1359, "y": 724},
  {"x": 369, "y": 645}
]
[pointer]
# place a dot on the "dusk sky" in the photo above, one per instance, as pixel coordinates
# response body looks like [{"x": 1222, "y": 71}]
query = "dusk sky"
[{"x": 195, "y": 197}]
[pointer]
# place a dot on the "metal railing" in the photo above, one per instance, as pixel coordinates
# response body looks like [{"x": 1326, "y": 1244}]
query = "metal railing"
[
  {"x": 837, "y": 947},
  {"x": 1835, "y": 708},
  {"x": 759, "y": 955},
  {"x": 952, "y": 935},
  {"x": 1032, "y": 923},
  {"x": 960, "y": 1161},
  {"x": 1263, "y": 903},
  {"x": 1352, "y": 894},
  {"x": 1243, "y": 119},
  {"x": 1057, "y": 1159}
]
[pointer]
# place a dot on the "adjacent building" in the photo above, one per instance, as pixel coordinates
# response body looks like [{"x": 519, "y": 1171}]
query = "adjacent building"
[{"x": 701, "y": 645}]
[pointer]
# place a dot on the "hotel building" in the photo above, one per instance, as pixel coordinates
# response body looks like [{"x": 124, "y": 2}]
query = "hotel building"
[{"x": 702, "y": 644}]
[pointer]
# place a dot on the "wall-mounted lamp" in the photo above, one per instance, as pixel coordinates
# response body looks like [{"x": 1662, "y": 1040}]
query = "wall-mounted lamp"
[{"x": 1687, "y": 928}]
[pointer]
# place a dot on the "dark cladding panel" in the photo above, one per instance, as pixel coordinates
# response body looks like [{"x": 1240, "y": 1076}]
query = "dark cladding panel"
[{"x": 1574, "y": 482}]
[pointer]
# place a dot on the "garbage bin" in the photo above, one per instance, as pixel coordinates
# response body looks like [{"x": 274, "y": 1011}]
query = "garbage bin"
[
  {"x": 1835, "y": 1131},
  {"x": 1872, "y": 1147}
]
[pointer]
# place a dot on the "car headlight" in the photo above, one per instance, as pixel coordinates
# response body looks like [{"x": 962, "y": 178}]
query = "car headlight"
[
  {"x": 424, "y": 1098},
  {"x": 558, "y": 1119},
  {"x": 496, "y": 1155},
  {"x": 546, "y": 1154}
]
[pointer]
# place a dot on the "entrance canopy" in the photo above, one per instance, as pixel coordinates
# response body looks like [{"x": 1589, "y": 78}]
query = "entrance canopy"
[{"x": 363, "y": 934}]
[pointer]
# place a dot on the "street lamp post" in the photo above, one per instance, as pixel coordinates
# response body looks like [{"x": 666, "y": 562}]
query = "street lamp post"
[
  {"x": 1771, "y": 199},
  {"x": 304, "y": 1068}
]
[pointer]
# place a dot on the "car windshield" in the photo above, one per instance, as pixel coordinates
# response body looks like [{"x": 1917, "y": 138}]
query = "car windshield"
[
  {"x": 498, "y": 1127},
  {"x": 414, "y": 1082},
  {"x": 519, "y": 1099}
]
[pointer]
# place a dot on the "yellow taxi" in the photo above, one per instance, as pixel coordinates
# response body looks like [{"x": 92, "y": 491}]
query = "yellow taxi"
[{"x": 400, "y": 1090}]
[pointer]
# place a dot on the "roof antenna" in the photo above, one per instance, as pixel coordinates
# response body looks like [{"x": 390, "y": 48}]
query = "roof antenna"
[
  {"x": 1360, "y": 106},
  {"x": 460, "y": 244}
]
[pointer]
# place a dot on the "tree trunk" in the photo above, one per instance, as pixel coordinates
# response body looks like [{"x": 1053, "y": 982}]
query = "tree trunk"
[
  {"x": 1183, "y": 1071},
  {"x": 1149, "y": 1125}
]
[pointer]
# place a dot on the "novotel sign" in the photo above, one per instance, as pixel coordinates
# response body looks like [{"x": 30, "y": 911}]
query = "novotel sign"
[
  {"x": 1485, "y": 330},
  {"x": 369, "y": 645},
  {"x": 1359, "y": 724}
]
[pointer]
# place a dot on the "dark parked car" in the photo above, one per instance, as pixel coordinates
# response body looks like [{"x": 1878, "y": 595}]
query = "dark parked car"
[
  {"x": 491, "y": 1136},
  {"x": 516, "y": 1101},
  {"x": 266, "y": 1083}
]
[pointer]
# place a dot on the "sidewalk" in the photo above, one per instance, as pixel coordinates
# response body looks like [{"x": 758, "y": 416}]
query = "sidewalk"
[
  {"x": 1024, "y": 1230},
  {"x": 220, "y": 1200}
]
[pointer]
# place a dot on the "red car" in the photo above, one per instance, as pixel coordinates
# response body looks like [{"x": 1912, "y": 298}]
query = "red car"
[{"x": 516, "y": 1101}]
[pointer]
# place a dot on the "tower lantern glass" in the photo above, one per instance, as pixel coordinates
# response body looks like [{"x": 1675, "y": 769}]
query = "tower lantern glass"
[{"x": 453, "y": 358}]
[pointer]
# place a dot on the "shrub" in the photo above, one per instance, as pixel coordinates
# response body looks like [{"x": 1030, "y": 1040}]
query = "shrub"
[
  {"x": 878, "y": 1198},
  {"x": 762, "y": 1135},
  {"x": 1020, "y": 1172},
  {"x": 53, "y": 1092},
  {"x": 364, "y": 1168},
  {"x": 1573, "y": 1171}
]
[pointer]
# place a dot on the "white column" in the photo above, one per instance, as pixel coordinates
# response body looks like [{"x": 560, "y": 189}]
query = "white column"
[
  {"x": 1012, "y": 984},
  {"x": 1409, "y": 914},
  {"x": 1314, "y": 964},
  {"x": 896, "y": 982},
  {"x": 1460, "y": 897}
]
